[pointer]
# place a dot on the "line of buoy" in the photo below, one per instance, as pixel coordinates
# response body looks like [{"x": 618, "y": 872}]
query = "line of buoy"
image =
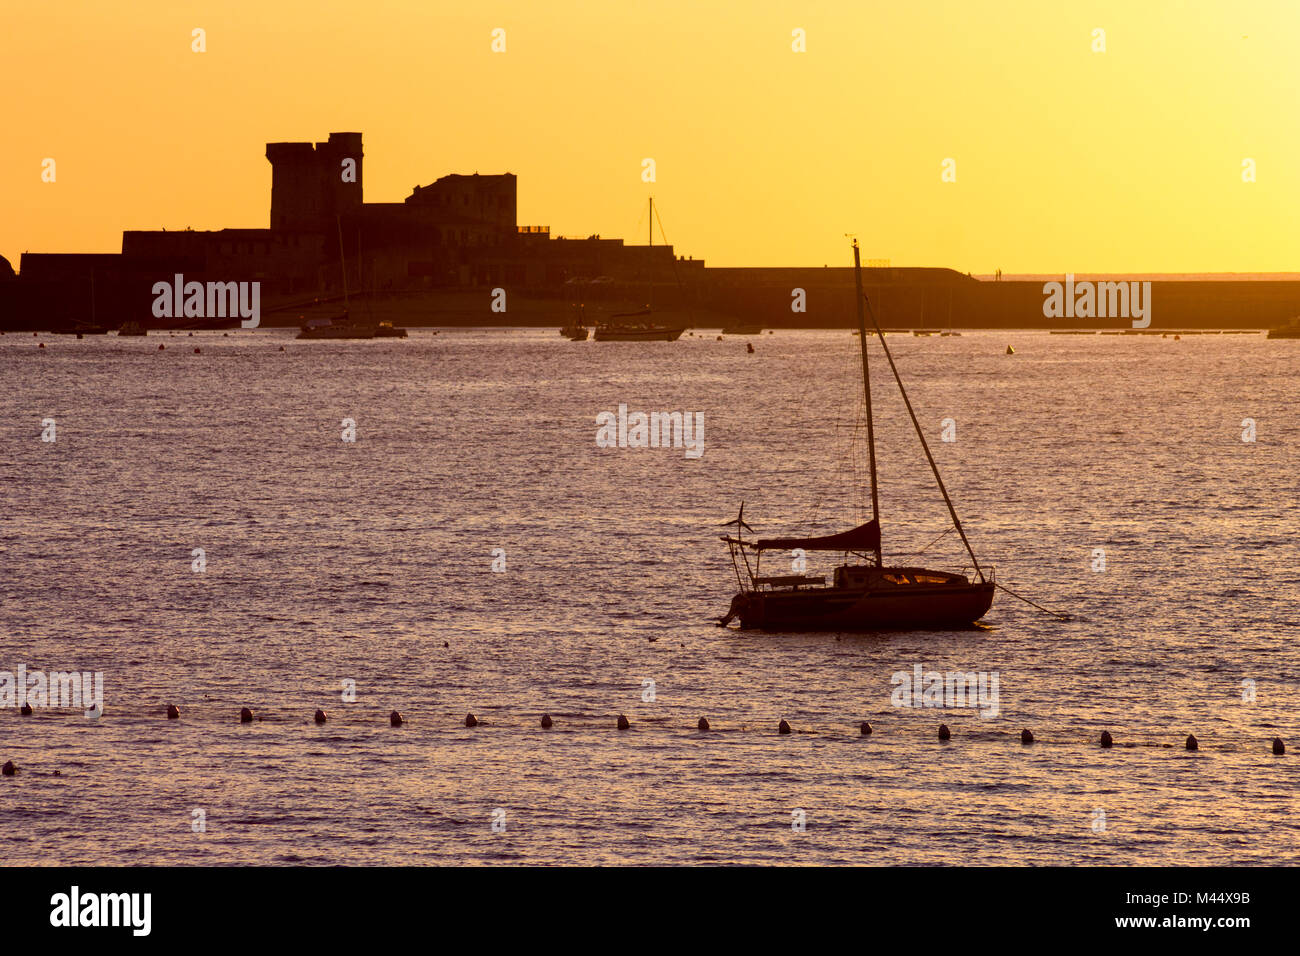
[{"x": 783, "y": 728}]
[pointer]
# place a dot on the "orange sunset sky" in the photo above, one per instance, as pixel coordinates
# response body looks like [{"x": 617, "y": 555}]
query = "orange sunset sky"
[{"x": 1066, "y": 159}]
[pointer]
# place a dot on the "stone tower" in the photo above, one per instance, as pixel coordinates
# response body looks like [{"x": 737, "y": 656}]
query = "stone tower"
[{"x": 311, "y": 184}]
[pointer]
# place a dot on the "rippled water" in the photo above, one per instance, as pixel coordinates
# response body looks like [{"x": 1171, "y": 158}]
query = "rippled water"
[{"x": 372, "y": 562}]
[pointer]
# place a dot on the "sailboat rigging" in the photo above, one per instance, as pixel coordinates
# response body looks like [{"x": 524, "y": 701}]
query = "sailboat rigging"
[
  {"x": 861, "y": 597},
  {"x": 341, "y": 326},
  {"x": 642, "y": 331}
]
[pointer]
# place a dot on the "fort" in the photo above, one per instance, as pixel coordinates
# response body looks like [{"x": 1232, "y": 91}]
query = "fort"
[{"x": 435, "y": 257}]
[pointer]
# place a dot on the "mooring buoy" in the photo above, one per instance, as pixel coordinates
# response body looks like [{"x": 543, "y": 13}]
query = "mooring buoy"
[
  {"x": 1106, "y": 739},
  {"x": 471, "y": 720},
  {"x": 173, "y": 712},
  {"x": 1192, "y": 743},
  {"x": 245, "y": 716},
  {"x": 8, "y": 769},
  {"x": 1279, "y": 748},
  {"x": 1026, "y": 737},
  {"x": 321, "y": 717},
  {"x": 703, "y": 724},
  {"x": 546, "y": 722},
  {"x": 864, "y": 728},
  {"x": 395, "y": 719},
  {"x": 944, "y": 732},
  {"x": 25, "y": 710},
  {"x": 783, "y": 728},
  {"x": 623, "y": 722}
]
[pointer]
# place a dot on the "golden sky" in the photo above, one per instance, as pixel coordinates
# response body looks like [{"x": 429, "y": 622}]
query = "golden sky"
[{"x": 1066, "y": 159}]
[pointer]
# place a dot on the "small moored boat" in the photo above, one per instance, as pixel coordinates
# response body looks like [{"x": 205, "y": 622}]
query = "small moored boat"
[
  {"x": 636, "y": 332},
  {"x": 339, "y": 327}
]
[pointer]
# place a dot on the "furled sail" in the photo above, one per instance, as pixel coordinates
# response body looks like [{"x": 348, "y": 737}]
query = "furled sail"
[{"x": 865, "y": 537}]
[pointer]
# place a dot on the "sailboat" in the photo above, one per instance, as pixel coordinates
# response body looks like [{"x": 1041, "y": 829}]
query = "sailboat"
[
  {"x": 643, "y": 330},
  {"x": 341, "y": 326},
  {"x": 864, "y": 596},
  {"x": 576, "y": 330}
]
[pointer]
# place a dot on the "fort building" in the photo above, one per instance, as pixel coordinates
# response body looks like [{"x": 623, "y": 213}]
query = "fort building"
[{"x": 431, "y": 257}]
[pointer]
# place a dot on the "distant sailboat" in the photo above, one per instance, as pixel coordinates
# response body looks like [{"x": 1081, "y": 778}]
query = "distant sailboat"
[
  {"x": 576, "y": 330},
  {"x": 862, "y": 597},
  {"x": 341, "y": 326},
  {"x": 643, "y": 331}
]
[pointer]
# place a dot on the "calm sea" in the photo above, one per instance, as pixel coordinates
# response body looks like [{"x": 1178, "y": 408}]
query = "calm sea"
[{"x": 1103, "y": 476}]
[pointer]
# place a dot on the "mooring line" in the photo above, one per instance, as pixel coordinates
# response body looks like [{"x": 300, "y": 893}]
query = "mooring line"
[{"x": 1056, "y": 614}]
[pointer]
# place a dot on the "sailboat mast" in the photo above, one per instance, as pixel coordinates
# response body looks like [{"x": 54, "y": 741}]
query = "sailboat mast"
[
  {"x": 651, "y": 224},
  {"x": 343, "y": 265},
  {"x": 866, "y": 391}
]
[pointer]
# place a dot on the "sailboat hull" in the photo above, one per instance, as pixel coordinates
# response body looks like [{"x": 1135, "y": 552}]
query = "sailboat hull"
[
  {"x": 632, "y": 334},
  {"x": 943, "y": 607}
]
